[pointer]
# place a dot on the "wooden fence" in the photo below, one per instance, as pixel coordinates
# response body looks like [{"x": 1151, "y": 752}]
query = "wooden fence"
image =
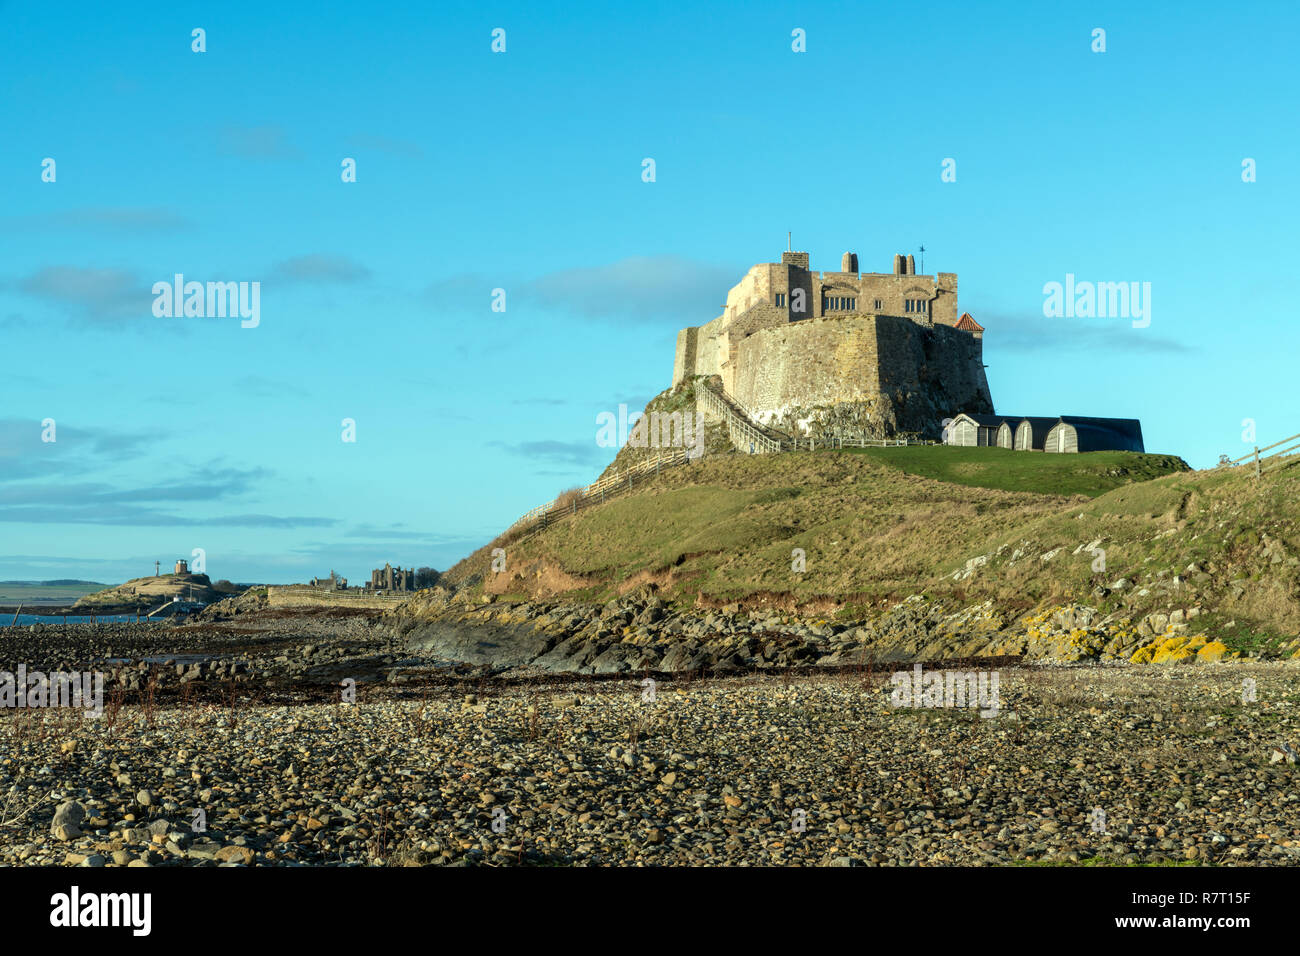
[
  {"x": 812, "y": 444},
  {"x": 1273, "y": 460}
]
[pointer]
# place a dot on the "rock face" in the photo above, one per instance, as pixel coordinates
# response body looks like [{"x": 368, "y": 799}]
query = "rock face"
[
  {"x": 501, "y": 643},
  {"x": 642, "y": 633}
]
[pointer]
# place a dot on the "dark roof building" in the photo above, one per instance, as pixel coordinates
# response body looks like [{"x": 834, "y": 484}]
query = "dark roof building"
[
  {"x": 1068, "y": 433},
  {"x": 1075, "y": 433}
]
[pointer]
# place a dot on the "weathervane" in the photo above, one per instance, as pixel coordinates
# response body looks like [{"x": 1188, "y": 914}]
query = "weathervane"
[{"x": 922, "y": 259}]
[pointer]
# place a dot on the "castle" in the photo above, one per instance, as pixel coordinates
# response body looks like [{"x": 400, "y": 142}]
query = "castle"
[{"x": 856, "y": 352}]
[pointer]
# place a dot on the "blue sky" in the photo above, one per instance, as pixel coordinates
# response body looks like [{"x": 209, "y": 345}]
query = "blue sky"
[{"x": 522, "y": 171}]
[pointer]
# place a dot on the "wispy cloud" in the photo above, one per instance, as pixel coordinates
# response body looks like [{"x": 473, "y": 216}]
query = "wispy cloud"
[
  {"x": 553, "y": 452},
  {"x": 638, "y": 289},
  {"x": 95, "y": 295},
  {"x": 104, "y": 219},
  {"x": 133, "y": 516},
  {"x": 105, "y": 503},
  {"x": 76, "y": 450},
  {"x": 64, "y": 482},
  {"x": 641, "y": 288},
  {"x": 386, "y": 144},
  {"x": 1029, "y": 334},
  {"x": 260, "y": 386},
  {"x": 257, "y": 142},
  {"x": 319, "y": 268},
  {"x": 399, "y": 533}
]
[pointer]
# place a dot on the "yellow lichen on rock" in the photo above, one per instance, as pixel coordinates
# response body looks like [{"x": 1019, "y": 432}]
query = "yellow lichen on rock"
[{"x": 1212, "y": 651}]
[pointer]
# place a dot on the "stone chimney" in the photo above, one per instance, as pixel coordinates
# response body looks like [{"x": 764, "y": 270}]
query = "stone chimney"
[
  {"x": 849, "y": 262},
  {"x": 911, "y": 266},
  {"x": 899, "y": 266}
]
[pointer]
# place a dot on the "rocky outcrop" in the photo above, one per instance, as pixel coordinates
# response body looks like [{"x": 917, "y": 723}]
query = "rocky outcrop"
[
  {"x": 641, "y": 632},
  {"x": 148, "y": 593}
]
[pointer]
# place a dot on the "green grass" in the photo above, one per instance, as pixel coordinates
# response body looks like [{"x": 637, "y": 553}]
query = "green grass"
[
  {"x": 728, "y": 527},
  {"x": 1243, "y": 636},
  {"x": 1091, "y": 473}
]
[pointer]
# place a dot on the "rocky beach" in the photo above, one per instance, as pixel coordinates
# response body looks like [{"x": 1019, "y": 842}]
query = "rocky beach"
[{"x": 481, "y": 735}]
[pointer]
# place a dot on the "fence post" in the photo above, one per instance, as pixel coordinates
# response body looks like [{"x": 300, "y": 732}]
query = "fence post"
[{"x": 1256, "y": 461}]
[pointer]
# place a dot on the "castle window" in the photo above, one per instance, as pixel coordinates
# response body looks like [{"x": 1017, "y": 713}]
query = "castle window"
[
  {"x": 780, "y": 299},
  {"x": 908, "y": 305},
  {"x": 879, "y": 305}
]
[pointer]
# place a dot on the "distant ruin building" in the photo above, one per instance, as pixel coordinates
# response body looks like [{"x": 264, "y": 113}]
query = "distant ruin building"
[
  {"x": 882, "y": 353},
  {"x": 181, "y": 568},
  {"x": 389, "y": 578},
  {"x": 331, "y": 583}
]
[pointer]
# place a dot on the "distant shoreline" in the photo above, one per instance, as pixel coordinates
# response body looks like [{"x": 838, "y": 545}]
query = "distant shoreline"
[{"x": 59, "y": 610}]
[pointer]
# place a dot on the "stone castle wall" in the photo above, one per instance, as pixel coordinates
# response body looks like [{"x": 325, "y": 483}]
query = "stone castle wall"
[
  {"x": 902, "y": 376},
  {"x": 291, "y": 595}
]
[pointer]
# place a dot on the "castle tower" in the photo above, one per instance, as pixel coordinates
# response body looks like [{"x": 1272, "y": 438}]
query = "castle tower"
[
  {"x": 894, "y": 361},
  {"x": 181, "y": 568}
]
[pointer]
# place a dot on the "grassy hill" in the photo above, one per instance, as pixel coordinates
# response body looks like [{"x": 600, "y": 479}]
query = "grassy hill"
[
  {"x": 149, "y": 592},
  {"x": 871, "y": 529},
  {"x": 1117, "y": 531}
]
